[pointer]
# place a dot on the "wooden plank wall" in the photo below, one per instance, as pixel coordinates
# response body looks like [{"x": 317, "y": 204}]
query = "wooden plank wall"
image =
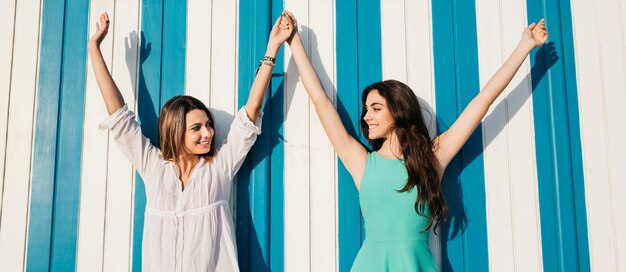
[
  {"x": 600, "y": 46},
  {"x": 106, "y": 205}
]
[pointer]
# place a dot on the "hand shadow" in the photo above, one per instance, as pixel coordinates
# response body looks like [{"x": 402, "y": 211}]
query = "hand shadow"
[
  {"x": 146, "y": 109},
  {"x": 457, "y": 221}
]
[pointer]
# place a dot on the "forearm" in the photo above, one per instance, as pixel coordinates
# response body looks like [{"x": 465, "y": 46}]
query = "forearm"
[
  {"x": 307, "y": 73},
  {"x": 504, "y": 75},
  {"x": 110, "y": 93},
  {"x": 260, "y": 84}
]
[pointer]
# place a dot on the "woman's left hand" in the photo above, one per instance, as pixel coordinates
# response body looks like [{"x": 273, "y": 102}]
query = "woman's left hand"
[
  {"x": 536, "y": 34},
  {"x": 283, "y": 30}
]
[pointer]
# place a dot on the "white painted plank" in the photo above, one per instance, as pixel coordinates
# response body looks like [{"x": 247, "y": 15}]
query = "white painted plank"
[
  {"x": 223, "y": 85},
  {"x": 198, "y": 70},
  {"x": 619, "y": 188},
  {"x": 420, "y": 77},
  {"x": 7, "y": 24},
  {"x": 297, "y": 155},
  {"x": 496, "y": 160},
  {"x": 393, "y": 40},
  {"x": 521, "y": 146},
  {"x": 90, "y": 244},
  {"x": 118, "y": 233},
  {"x": 322, "y": 171},
  {"x": 19, "y": 137},
  {"x": 420, "y": 65},
  {"x": 593, "y": 129},
  {"x": 511, "y": 183},
  {"x": 614, "y": 85}
]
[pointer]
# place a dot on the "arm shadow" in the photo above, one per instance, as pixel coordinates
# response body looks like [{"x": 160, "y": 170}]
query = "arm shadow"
[{"x": 457, "y": 222}]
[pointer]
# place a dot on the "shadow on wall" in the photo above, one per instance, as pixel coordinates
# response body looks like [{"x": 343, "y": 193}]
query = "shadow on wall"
[
  {"x": 457, "y": 221},
  {"x": 249, "y": 242}
]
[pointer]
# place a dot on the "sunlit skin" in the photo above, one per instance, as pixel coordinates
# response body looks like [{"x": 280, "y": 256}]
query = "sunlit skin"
[
  {"x": 380, "y": 124},
  {"x": 198, "y": 134}
]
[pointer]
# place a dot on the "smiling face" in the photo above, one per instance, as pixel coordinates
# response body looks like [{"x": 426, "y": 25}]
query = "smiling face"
[
  {"x": 378, "y": 116},
  {"x": 198, "y": 132}
]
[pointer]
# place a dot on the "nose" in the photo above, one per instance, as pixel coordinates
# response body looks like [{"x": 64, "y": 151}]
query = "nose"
[
  {"x": 367, "y": 116},
  {"x": 207, "y": 131}
]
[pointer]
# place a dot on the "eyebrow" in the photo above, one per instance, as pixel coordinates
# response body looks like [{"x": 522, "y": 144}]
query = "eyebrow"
[
  {"x": 198, "y": 123},
  {"x": 374, "y": 104}
]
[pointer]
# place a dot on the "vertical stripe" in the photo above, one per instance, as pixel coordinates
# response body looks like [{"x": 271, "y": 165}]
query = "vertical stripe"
[
  {"x": 322, "y": 163},
  {"x": 42, "y": 188},
  {"x": 56, "y": 184},
  {"x": 358, "y": 65},
  {"x": 69, "y": 138},
  {"x": 258, "y": 216},
  {"x": 161, "y": 76},
  {"x": 7, "y": 26},
  {"x": 298, "y": 155},
  {"x": 557, "y": 138},
  {"x": 276, "y": 141},
  {"x": 19, "y": 134},
  {"x": 509, "y": 156},
  {"x": 601, "y": 77},
  {"x": 93, "y": 187},
  {"x": 118, "y": 236},
  {"x": 464, "y": 245}
]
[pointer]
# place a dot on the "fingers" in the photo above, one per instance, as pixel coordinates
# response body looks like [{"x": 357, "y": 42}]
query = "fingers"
[
  {"x": 277, "y": 23},
  {"x": 103, "y": 22},
  {"x": 288, "y": 20}
]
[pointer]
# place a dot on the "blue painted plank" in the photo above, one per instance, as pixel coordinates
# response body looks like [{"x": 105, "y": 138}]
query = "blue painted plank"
[
  {"x": 559, "y": 162},
  {"x": 148, "y": 105},
  {"x": 276, "y": 140},
  {"x": 259, "y": 202},
  {"x": 69, "y": 137},
  {"x": 174, "y": 38},
  {"x": 464, "y": 236},
  {"x": 349, "y": 216},
  {"x": 58, "y": 136},
  {"x": 358, "y": 38},
  {"x": 47, "y": 111}
]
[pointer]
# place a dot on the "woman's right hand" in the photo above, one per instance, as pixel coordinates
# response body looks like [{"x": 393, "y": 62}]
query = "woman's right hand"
[{"x": 102, "y": 27}]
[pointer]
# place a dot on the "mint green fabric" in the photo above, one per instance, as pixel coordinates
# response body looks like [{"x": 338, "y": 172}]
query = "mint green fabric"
[{"x": 394, "y": 240}]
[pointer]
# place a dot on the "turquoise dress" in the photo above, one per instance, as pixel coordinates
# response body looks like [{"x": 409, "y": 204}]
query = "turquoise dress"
[{"x": 394, "y": 240}]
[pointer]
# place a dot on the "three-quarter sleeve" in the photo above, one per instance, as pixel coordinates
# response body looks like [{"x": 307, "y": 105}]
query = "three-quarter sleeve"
[
  {"x": 241, "y": 137},
  {"x": 126, "y": 132}
]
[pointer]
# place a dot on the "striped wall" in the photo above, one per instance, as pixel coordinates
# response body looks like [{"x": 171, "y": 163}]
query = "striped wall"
[
  {"x": 508, "y": 136},
  {"x": 537, "y": 188},
  {"x": 600, "y": 49}
]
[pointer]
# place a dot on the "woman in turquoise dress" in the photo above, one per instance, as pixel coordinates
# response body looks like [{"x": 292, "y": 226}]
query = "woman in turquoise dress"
[{"x": 399, "y": 181}]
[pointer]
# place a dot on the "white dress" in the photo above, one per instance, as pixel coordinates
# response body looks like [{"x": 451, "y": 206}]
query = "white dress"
[{"x": 190, "y": 230}]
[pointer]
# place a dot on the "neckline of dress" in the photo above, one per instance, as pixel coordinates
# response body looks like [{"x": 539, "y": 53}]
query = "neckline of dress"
[{"x": 379, "y": 155}]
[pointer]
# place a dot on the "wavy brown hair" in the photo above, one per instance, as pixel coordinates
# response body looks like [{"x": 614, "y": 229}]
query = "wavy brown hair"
[
  {"x": 417, "y": 148},
  {"x": 172, "y": 126}
]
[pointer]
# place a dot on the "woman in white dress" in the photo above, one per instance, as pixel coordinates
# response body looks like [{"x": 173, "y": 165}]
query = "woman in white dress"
[{"x": 188, "y": 226}]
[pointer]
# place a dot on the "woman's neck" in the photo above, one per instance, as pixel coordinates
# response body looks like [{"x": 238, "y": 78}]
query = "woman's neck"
[
  {"x": 391, "y": 147},
  {"x": 187, "y": 163}
]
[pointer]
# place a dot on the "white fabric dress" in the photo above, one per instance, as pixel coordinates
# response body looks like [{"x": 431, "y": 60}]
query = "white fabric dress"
[{"x": 190, "y": 230}]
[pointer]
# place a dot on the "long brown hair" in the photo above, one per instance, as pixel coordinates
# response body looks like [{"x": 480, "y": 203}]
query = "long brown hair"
[
  {"x": 417, "y": 148},
  {"x": 172, "y": 123}
]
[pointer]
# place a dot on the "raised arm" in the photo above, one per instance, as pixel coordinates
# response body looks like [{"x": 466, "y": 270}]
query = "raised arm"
[
  {"x": 350, "y": 151},
  {"x": 277, "y": 37},
  {"x": 450, "y": 142},
  {"x": 110, "y": 93}
]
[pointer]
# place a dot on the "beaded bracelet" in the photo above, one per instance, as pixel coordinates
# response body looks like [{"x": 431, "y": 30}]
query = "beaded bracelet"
[{"x": 267, "y": 60}]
